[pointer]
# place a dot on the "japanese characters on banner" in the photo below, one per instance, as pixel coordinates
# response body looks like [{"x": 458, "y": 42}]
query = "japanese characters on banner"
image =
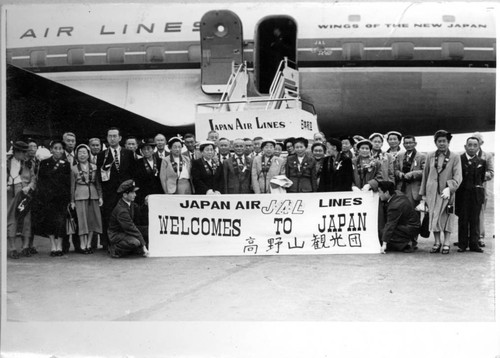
[{"x": 263, "y": 224}]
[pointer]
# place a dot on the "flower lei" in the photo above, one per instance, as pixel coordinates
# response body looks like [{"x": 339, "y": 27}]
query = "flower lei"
[
  {"x": 82, "y": 173},
  {"x": 367, "y": 167},
  {"x": 210, "y": 170},
  {"x": 58, "y": 163},
  {"x": 265, "y": 167},
  {"x": 148, "y": 168},
  {"x": 236, "y": 166},
  {"x": 177, "y": 169},
  {"x": 445, "y": 162}
]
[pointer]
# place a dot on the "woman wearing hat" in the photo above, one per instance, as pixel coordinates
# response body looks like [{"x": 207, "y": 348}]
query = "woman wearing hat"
[
  {"x": 440, "y": 180},
  {"x": 394, "y": 141},
  {"x": 265, "y": 167},
  {"x": 206, "y": 173},
  {"x": 367, "y": 170},
  {"x": 387, "y": 161},
  {"x": 147, "y": 171},
  {"x": 175, "y": 170},
  {"x": 300, "y": 168},
  {"x": 86, "y": 197},
  {"x": 53, "y": 197},
  {"x": 336, "y": 173},
  {"x": 20, "y": 184}
]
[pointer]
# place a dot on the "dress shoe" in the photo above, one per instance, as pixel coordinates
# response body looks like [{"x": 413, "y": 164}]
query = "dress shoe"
[
  {"x": 481, "y": 243},
  {"x": 455, "y": 244},
  {"x": 26, "y": 252},
  {"x": 13, "y": 254},
  {"x": 477, "y": 249},
  {"x": 461, "y": 250},
  {"x": 33, "y": 251}
]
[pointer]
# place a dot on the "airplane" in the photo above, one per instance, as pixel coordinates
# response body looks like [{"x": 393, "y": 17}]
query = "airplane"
[{"x": 364, "y": 67}]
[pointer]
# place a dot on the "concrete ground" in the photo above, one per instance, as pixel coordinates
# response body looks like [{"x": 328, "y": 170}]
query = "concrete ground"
[{"x": 397, "y": 287}]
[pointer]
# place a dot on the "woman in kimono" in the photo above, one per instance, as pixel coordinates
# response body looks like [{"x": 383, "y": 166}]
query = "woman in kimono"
[
  {"x": 266, "y": 166},
  {"x": 300, "y": 168},
  {"x": 175, "y": 169},
  {"x": 86, "y": 198},
  {"x": 53, "y": 197},
  {"x": 440, "y": 180},
  {"x": 367, "y": 170}
]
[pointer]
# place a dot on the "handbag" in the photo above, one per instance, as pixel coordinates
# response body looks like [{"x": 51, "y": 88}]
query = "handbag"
[
  {"x": 424, "y": 226},
  {"x": 70, "y": 223}
]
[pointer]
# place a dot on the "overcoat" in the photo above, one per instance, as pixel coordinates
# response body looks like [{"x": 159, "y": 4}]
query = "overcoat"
[{"x": 447, "y": 173}]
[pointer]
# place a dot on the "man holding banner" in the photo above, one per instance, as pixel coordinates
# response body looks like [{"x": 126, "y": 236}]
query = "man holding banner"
[
  {"x": 402, "y": 223},
  {"x": 124, "y": 236}
]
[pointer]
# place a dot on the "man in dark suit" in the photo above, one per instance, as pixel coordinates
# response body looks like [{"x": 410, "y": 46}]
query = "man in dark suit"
[
  {"x": 237, "y": 170},
  {"x": 402, "y": 223},
  {"x": 161, "y": 143},
  {"x": 470, "y": 197},
  {"x": 190, "y": 143},
  {"x": 95, "y": 148},
  {"x": 114, "y": 165},
  {"x": 224, "y": 150},
  {"x": 124, "y": 236},
  {"x": 69, "y": 155}
]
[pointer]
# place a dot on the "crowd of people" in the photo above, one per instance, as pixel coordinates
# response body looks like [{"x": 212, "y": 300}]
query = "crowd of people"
[{"x": 97, "y": 193}]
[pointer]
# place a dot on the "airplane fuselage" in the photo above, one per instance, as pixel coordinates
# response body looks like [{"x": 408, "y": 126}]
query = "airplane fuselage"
[{"x": 414, "y": 67}]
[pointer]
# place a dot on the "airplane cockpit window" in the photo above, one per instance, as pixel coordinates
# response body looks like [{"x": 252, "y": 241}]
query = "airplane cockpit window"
[{"x": 276, "y": 39}]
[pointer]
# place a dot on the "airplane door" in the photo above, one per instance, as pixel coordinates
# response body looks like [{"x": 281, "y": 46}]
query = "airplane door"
[
  {"x": 221, "y": 43},
  {"x": 275, "y": 38}
]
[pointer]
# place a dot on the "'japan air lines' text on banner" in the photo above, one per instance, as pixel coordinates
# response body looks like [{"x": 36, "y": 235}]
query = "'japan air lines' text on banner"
[{"x": 263, "y": 224}]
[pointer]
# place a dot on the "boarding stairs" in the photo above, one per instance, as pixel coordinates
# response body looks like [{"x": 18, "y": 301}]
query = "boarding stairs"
[{"x": 282, "y": 108}]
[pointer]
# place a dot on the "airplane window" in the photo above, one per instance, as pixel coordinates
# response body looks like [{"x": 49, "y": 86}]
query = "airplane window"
[
  {"x": 76, "y": 56},
  {"x": 155, "y": 54},
  {"x": 38, "y": 58},
  {"x": 116, "y": 55},
  {"x": 452, "y": 50},
  {"x": 353, "y": 51},
  {"x": 402, "y": 50},
  {"x": 194, "y": 53}
]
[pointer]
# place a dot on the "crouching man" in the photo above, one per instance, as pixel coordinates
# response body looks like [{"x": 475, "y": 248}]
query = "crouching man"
[
  {"x": 403, "y": 222},
  {"x": 124, "y": 236}
]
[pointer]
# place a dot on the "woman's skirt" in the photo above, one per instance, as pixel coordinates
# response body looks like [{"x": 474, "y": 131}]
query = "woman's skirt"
[
  {"x": 89, "y": 216},
  {"x": 183, "y": 186}
]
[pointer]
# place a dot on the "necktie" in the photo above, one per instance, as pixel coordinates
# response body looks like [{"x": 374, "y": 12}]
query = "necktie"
[
  {"x": 117, "y": 161},
  {"x": 240, "y": 163}
]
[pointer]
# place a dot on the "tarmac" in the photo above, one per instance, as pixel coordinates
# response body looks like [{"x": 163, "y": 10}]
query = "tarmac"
[{"x": 396, "y": 287}]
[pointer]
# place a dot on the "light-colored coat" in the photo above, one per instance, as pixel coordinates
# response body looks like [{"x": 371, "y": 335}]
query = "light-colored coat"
[
  {"x": 450, "y": 177},
  {"x": 412, "y": 189},
  {"x": 261, "y": 183},
  {"x": 80, "y": 188},
  {"x": 168, "y": 176}
]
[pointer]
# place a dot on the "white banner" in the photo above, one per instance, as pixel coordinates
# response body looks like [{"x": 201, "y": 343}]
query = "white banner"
[
  {"x": 278, "y": 124},
  {"x": 263, "y": 224}
]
